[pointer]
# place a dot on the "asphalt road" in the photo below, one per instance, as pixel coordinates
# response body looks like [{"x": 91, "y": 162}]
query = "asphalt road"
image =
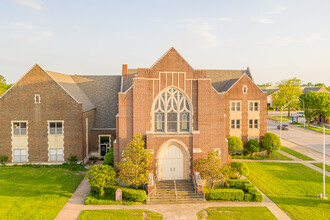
[{"x": 300, "y": 136}]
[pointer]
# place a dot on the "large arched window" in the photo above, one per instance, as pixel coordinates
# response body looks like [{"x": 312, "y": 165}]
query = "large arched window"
[{"x": 172, "y": 112}]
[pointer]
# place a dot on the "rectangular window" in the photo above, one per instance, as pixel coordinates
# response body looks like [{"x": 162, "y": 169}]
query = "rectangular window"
[
  {"x": 56, "y": 154},
  {"x": 55, "y": 128},
  {"x": 245, "y": 89},
  {"x": 253, "y": 106},
  {"x": 36, "y": 98},
  {"x": 250, "y": 123},
  {"x": 20, "y": 155},
  {"x": 184, "y": 122},
  {"x": 159, "y": 122},
  {"x": 256, "y": 123},
  {"x": 172, "y": 122},
  {"x": 235, "y": 106},
  {"x": 238, "y": 124},
  {"x": 232, "y": 124},
  {"x": 19, "y": 128}
]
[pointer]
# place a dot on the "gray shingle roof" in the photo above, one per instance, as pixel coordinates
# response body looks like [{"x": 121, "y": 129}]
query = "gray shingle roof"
[
  {"x": 103, "y": 92},
  {"x": 222, "y": 80},
  {"x": 312, "y": 88},
  {"x": 269, "y": 91},
  {"x": 73, "y": 89}
]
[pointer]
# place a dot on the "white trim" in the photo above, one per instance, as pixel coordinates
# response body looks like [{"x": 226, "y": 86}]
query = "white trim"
[
  {"x": 58, "y": 135},
  {"x": 12, "y": 137},
  {"x": 245, "y": 87},
  {"x": 35, "y": 98},
  {"x": 99, "y": 142}
]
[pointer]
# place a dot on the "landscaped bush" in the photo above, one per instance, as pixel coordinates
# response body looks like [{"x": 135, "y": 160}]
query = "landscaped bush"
[
  {"x": 241, "y": 168},
  {"x": 108, "y": 158},
  {"x": 226, "y": 194},
  {"x": 253, "y": 146},
  {"x": 253, "y": 157},
  {"x": 271, "y": 142},
  {"x": 134, "y": 195},
  {"x": 248, "y": 197},
  {"x": 237, "y": 183},
  {"x": 102, "y": 176},
  {"x": 234, "y": 144},
  {"x": 72, "y": 159},
  {"x": 3, "y": 159},
  {"x": 250, "y": 191}
]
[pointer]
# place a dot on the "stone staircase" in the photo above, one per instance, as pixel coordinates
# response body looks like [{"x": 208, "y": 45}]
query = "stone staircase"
[{"x": 179, "y": 191}]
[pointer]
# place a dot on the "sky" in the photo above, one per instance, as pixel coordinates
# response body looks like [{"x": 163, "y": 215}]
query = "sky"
[{"x": 277, "y": 39}]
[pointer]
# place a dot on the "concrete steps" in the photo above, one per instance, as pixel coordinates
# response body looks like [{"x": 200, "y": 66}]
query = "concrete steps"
[{"x": 165, "y": 193}]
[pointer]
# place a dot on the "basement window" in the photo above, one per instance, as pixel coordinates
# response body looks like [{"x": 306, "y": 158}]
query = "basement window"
[
  {"x": 56, "y": 154},
  {"x": 20, "y": 155}
]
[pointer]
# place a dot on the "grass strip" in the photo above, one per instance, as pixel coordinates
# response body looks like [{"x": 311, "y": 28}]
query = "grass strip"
[
  {"x": 295, "y": 153},
  {"x": 119, "y": 214},
  {"x": 320, "y": 165}
]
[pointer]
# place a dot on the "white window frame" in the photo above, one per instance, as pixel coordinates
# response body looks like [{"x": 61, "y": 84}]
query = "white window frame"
[
  {"x": 55, "y": 129},
  {"x": 235, "y": 124},
  {"x": 20, "y": 155},
  {"x": 236, "y": 105},
  {"x": 37, "y": 98},
  {"x": 20, "y": 129},
  {"x": 245, "y": 89},
  {"x": 254, "y": 106},
  {"x": 61, "y": 159},
  {"x": 218, "y": 150}
]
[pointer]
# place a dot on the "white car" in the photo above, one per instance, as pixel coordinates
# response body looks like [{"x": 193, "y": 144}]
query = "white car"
[{"x": 301, "y": 114}]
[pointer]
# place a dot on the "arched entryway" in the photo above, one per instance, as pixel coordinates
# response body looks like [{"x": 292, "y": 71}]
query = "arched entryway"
[{"x": 173, "y": 161}]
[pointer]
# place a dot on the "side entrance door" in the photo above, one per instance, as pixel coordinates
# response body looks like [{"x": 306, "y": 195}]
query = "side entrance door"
[
  {"x": 104, "y": 144},
  {"x": 172, "y": 160}
]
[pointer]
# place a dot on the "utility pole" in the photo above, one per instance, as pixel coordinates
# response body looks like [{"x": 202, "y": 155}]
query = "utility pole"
[{"x": 324, "y": 196}]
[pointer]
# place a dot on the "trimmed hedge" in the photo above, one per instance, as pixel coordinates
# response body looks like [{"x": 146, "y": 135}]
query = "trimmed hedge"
[
  {"x": 250, "y": 191},
  {"x": 226, "y": 194},
  {"x": 237, "y": 183},
  {"x": 128, "y": 193},
  {"x": 248, "y": 197}
]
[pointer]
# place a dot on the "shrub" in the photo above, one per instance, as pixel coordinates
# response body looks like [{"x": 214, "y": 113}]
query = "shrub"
[
  {"x": 3, "y": 159},
  {"x": 101, "y": 176},
  {"x": 257, "y": 197},
  {"x": 253, "y": 146},
  {"x": 72, "y": 159},
  {"x": 237, "y": 183},
  {"x": 226, "y": 194},
  {"x": 271, "y": 142},
  {"x": 234, "y": 144},
  {"x": 241, "y": 168},
  {"x": 135, "y": 195},
  {"x": 108, "y": 158},
  {"x": 253, "y": 157},
  {"x": 93, "y": 158},
  {"x": 248, "y": 197}
]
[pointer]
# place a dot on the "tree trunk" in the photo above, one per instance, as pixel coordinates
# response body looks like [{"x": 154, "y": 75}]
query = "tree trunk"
[{"x": 288, "y": 112}]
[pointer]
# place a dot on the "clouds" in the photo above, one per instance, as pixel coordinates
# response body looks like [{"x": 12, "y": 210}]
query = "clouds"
[
  {"x": 32, "y": 4},
  {"x": 291, "y": 40},
  {"x": 269, "y": 18},
  {"x": 203, "y": 31},
  {"x": 277, "y": 10},
  {"x": 264, "y": 20}
]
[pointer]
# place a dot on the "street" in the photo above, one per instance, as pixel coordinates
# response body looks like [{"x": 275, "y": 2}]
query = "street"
[{"x": 300, "y": 136}]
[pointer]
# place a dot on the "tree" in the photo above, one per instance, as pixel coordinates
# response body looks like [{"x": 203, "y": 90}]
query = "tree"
[
  {"x": 253, "y": 146},
  {"x": 264, "y": 84},
  {"x": 137, "y": 160},
  {"x": 289, "y": 91},
  {"x": 3, "y": 85},
  {"x": 234, "y": 144},
  {"x": 108, "y": 158},
  {"x": 101, "y": 176},
  {"x": 212, "y": 169},
  {"x": 271, "y": 142},
  {"x": 240, "y": 167},
  {"x": 316, "y": 104},
  {"x": 319, "y": 84}
]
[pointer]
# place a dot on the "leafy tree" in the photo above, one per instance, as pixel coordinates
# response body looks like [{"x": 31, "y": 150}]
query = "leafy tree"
[
  {"x": 137, "y": 160},
  {"x": 271, "y": 142},
  {"x": 264, "y": 84},
  {"x": 3, "y": 85},
  {"x": 316, "y": 104},
  {"x": 289, "y": 91},
  {"x": 212, "y": 169},
  {"x": 319, "y": 84},
  {"x": 253, "y": 146},
  {"x": 240, "y": 167},
  {"x": 102, "y": 176},
  {"x": 234, "y": 144},
  {"x": 108, "y": 158}
]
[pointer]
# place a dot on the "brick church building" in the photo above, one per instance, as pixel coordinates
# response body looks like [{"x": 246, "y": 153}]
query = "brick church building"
[{"x": 181, "y": 112}]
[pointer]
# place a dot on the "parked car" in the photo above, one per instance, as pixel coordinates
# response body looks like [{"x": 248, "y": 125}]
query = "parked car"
[
  {"x": 301, "y": 114},
  {"x": 284, "y": 127}
]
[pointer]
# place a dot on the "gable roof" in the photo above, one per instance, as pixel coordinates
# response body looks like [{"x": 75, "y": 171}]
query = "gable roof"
[
  {"x": 103, "y": 91},
  {"x": 73, "y": 89},
  {"x": 312, "y": 88},
  {"x": 222, "y": 80}
]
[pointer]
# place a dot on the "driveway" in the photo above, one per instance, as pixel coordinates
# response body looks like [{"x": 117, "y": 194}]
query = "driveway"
[{"x": 303, "y": 137}]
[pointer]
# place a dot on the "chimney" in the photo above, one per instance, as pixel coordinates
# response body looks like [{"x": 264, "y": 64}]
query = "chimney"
[{"x": 124, "y": 72}]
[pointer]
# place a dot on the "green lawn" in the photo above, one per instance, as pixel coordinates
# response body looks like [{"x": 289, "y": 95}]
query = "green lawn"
[
  {"x": 294, "y": 187},
  {"x": 35, "y": 193},
  {"x": 278, "y": 156},
  {"x": 243, "y": 213},
  {"x": 320, "y": 165},
  {"x": 295, "y": 153},
  {"x": 316, "y": 129},
  {"x": 119, "y": 214},
  {"x": 278, "y": 118}
]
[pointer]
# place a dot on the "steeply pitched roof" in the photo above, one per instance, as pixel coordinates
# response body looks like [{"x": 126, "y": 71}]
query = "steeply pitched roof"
[
  {"x": 269, "y": 91},
  {"x": 73, "y": 89},
  {"x": 103, "y": 91},
  {"x": 131, "y": 73},
  {"x": 312, "y": 88},
  {"x": 222, "y": 80}
]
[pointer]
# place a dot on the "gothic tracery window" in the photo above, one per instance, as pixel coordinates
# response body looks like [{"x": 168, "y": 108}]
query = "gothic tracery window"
[{"x": 172, "y": 112}]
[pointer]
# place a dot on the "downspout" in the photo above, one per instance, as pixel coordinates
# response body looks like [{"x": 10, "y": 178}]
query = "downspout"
[{"x": 83, "y": 139}]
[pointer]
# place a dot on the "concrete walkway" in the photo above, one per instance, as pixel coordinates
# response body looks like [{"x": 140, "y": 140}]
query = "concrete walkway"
[{"x": 75, "y": 205}]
